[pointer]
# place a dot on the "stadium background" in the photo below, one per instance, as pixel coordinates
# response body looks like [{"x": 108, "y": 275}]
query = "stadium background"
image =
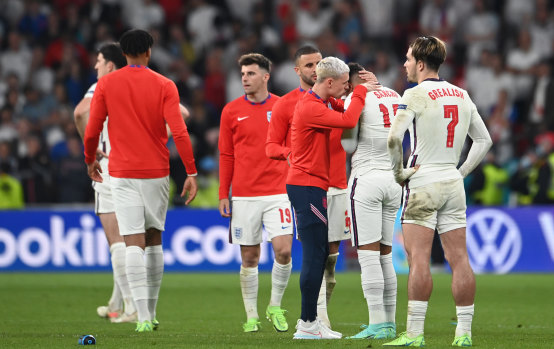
[{"x": 500, "y": 51}]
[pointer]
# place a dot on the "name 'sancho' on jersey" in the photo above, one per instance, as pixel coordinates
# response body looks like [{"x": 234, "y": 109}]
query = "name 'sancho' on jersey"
[
  {"x": 446, "y": 92},
  {"x": 385, "y": 93}
]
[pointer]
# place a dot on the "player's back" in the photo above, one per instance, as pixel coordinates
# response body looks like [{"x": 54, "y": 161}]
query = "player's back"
[
  {"x": 443, "y": 115},
  {"x": 374, "y": 126}
]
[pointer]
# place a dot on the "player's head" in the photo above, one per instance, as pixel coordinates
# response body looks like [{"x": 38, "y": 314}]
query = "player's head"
[
  {"x": 355, "y": 69},
  {"x": 254, "y": 70},
  {"x": 136, "y": 42},
  {"x": 332, "y": 74},
  {"x": 109, "y": 58},
  {"x": 426, "y": 54},
  {"x": 306, "y": 59}
]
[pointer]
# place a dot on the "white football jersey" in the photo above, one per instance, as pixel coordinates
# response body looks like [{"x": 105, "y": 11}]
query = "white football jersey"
[
  {"x": 373, "y": 130},
  {"x": 441, "y": 116},
  {"x": 104, "y": 145}
]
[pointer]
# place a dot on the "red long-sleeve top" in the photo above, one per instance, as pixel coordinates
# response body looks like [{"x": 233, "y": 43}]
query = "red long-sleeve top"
[
  {"x": 242, "y": 160},
  {"x": 311, "y": 127},
  {"x": 337, "y": 160},
  {"x": 139, "y": 102}
]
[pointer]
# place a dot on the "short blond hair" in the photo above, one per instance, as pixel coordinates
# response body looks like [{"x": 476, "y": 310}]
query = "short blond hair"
[{"x": 330, "y": 67}]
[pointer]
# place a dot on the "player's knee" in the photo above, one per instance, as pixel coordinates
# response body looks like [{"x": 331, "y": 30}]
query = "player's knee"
[{"x": 283, "y": 255}]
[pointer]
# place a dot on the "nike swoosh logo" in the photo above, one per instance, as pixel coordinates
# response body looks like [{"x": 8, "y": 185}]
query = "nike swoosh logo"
[
  {"x": 313, "y": 334},
  {"x": 240, "y": 119},
  {"x": 285, "y": 227}
]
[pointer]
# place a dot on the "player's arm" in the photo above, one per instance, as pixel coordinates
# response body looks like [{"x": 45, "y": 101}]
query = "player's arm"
[
  {"x": 275, "y": 145},
  {"x": 81, "y": 115},
  {"x": 184, "y": 113},
  {"x": 177, "y": 126},
  {"x": 321, "y": 116},
  {"x": 226, "y": 162},
  {"x": 349, "y": 139},
  {"x": 404, "y": 118},
  {"x": 481, "y": 143},
  {"x": 98, "y": 114}
]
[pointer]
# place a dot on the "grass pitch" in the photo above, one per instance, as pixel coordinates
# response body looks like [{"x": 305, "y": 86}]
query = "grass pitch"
[{"x": 206, "y": 311}]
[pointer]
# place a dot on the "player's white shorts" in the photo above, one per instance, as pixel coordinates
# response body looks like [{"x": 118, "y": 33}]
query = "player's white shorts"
[
  {"x": 251, "y": 215},
  {"x": 440, "y": 205},
  {"x": 140, "y": 204},
  {"x": 337, "y": 215},
  {"x": 374, "y": 202},
  {"x": 103, "y": 199},
  {"x": 103, "y": 203}
]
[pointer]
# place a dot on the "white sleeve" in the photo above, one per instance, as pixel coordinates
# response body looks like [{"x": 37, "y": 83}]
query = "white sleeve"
[
  {"x": 402, "y": 121},
  {"x": 481, "y": 143}
]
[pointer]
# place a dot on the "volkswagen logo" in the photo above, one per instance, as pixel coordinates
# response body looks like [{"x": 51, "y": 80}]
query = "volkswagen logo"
[{"x": 493, "y": 241}]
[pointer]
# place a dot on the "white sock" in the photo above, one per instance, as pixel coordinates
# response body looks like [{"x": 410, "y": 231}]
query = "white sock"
[
  {"x": 465, "y": 316},
  {"x": 154, "y": 257},
  {"x": 416, "y": 318},
  {"x": 116, "y": 300},
  {"x": 280, "y": 275},
  {"x": 118, "y": 253},
  {"x": 322, "y": 302},
  {"x": 136, "y": 275},
  {"x": 373, "y": 285},
  {"x": 329, "y": 275},
  {"x": 249, "y": 288},
  {"x": 391, "y": 285}
]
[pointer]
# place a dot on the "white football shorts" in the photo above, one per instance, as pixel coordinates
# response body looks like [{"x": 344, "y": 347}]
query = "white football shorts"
[
  {"x": 337, "y": 215},
  {"x": 440, "y": 205},
  {"x": 374, "y": 202},
  {"x": 140, "y": 204},
  {"x": 249, "y": 217},
  {"x": 103, "y": 200}
]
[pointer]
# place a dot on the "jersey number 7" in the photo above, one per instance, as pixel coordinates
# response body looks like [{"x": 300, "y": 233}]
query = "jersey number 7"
[{"x": 451, "y": 111}]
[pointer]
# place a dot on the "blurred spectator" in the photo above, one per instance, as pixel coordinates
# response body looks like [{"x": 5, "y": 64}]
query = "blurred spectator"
[
  {"x": 7, "y": 157},
  {"x": 37, "y": 173},
  {"x": 17, "y": 58},
  {"x": 481, "y": 30},
  {"x": 8, "y": 129},
  {"x": 378, "y": 19},
  {"x": 545, "y": 178},
  {"x": 34, "y": 22},
  {"x": 201, "y": 24},
  {"x": 313, "y": 18},
  {"x": 41, "y": 76},
  {"x": 214, "y": 81},
  {"x": 437, "y": 19},
  {"x": 11, "y": 191},
  {"x": 73, "y": 181},
  {"x": 541, "y": 114},
  {"x": 489, "y": 184},
  {"x": 542, "y": 29}
]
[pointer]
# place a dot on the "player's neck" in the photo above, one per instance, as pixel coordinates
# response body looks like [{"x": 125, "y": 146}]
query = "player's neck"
[
  {"x": 143, "y": 61},
  {"x": 305, "y": 86},
  {"x": 427, "y": 75},
  {"x": 258, "y": 96},
  {"x": 321, "y": 92}
]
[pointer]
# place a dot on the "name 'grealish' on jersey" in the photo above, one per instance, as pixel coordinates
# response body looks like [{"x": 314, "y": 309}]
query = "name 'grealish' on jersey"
[
  {"x": 373, "y": 131},
  {"x": 441, "y": 115}
]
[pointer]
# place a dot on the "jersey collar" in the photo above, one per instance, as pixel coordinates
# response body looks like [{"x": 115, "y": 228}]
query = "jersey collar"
[{"x": 259, "y": 103}]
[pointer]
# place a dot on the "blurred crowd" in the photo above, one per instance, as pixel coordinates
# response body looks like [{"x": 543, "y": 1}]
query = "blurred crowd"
[{"x": 500, "y": 51}]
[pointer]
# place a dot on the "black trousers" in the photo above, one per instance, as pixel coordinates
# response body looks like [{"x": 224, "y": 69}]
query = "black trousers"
[{"x": 310, "y": 207}]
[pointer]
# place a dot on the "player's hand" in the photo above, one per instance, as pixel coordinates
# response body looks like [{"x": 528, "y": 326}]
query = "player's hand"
[
  {"x": 94, "y": 170},
  {"x": 367, "y": 76},
  {"x": 224, "y": 208},
  {"x": 372, "y": 85},
  {"x": 100, "y": 154},
  {"x": 402, "y": 176},
  {"x": 191, "y": 187}
]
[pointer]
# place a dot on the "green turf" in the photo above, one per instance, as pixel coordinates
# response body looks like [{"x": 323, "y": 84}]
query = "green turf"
[{"x": 206, "y": 311}]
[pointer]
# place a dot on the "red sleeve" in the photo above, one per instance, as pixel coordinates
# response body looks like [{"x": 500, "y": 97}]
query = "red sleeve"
[
  {"x": 337, "y": 104},
  {"x": 98, "y": 114},
  {"x": 226, "y": 154},
  {"x": 320, "y": 116},
  {"x": 172, "y": 116},
  {"x": 275, "y": 146}
]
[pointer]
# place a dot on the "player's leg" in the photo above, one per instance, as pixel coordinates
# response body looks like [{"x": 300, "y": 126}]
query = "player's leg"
[
  {"x": 311, "y": 217},
  {"x": 155, "y": 194},
  {"x": 391, "y": 204},
  {"x": 277, "y": 219},
  {"x": 451, "y": 227},
  {"x": 246, "y": 231},
  {"x": 126, "y": 192},
  {"x": 365, "y": 212},
  {"x": 117, "y": 250}
]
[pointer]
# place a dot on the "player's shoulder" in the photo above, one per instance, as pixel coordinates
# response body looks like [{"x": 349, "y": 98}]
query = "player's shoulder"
[{"x": 90, "y": 91}]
